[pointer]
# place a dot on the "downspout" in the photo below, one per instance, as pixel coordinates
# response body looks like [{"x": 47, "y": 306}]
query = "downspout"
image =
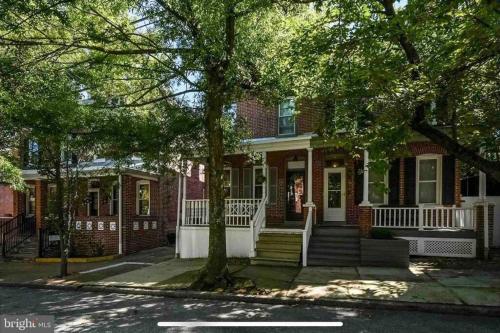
[
  {"x": 120, "y": 215},
  {"x": 178, "y": 227}
]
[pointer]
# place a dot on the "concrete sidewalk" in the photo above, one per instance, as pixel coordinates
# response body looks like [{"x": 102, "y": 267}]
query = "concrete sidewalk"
[{"x": 420, "y": 283}]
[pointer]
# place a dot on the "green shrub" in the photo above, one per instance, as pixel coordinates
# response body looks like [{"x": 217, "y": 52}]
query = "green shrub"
[{"x": 381, "y": 234}]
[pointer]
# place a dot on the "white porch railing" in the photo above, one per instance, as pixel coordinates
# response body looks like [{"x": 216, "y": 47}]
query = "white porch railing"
[
  {"x": 238, "y": 212},
  {"x": 306, "y": 234},
  {"x": 256, "y": 225},
  {"x": 453, "y": 218}
]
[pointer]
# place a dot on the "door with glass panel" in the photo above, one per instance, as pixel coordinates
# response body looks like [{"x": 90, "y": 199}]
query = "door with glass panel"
[{"x": 334, "y": 194}]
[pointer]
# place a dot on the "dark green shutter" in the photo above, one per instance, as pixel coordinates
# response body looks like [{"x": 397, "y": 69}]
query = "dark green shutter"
[
  {"x": 410, "y": 174},
  {"x": 394, "y": 183},
  {"x": 448, "y": 197},
  {"x": 358, "y": 181}
]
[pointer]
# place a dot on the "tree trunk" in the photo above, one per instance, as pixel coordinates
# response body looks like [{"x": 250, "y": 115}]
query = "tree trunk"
[
  {"x": 215, "y": 273},
  {"x": 59, "y": 207}
]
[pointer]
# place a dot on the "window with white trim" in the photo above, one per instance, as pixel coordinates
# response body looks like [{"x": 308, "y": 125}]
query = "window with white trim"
[
  {"x": 93, "y": 202},
  {"x": 227, "y": 183},
  {"x": 258, "y": 183},
  {"x": 114, "y": 202},
  {"x": 30, "y": 201},
  {"x": 286, "y": 119},
  {"x": 428, "y": 179},
  {"x": 247, "y": 183},
  {"x": 143, "y": 198},
  {"x": 376, "y": 183}
]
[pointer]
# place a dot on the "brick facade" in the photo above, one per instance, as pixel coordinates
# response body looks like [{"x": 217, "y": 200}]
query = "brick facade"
[
  {"x": 139, "y": 232},
  {"x": 262, "y": 121},
  {"x": 6, "y": 201}
]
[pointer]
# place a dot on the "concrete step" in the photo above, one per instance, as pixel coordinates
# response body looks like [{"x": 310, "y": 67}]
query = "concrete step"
[
  {"x": 330, "y": 262},
  {"x": 280, "y": 237},
  {"x": 335, "y": 231},
  {"x": 269, "y": 245},
  {"x": 274, "y": 262},
  {"x": 337, "y": 245},
  {"x": 279, "y": 254},
  {"x": 334, "y": 239},
  {"x": 333, "y": 252}
]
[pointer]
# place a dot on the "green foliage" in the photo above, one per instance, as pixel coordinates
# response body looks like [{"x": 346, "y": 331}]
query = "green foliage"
[{"x": 11, "y": 175}]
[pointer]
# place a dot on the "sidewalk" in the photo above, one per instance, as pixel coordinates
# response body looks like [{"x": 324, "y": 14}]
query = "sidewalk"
[{"x": 422, "y": 283}]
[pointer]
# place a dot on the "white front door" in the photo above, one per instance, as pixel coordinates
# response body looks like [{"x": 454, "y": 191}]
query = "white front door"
[{"x": 334, "y": 194}]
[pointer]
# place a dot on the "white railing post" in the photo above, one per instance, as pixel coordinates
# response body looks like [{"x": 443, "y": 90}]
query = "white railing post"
[
  {"x": 420, "y": 217},
  {"x": 366, "y": 160},
  {"x": 306, "y": 233}
]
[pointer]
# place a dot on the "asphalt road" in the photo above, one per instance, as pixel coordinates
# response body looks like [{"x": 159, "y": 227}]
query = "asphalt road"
[{"x": 99, "y": 312}]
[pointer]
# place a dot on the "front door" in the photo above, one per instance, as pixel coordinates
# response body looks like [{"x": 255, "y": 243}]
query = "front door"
[
  {"x": 334, "y": 194},
  {"x": 294, "y": 194}
]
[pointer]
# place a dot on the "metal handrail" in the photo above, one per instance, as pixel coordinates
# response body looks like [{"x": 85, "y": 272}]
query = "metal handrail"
[{"x": 23, "y": 229}]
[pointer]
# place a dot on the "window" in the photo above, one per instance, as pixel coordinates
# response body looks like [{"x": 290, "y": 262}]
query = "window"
[
  {"x": 286, "y": 121},
  {"x": 30, "y": 201},
  {"x": 258, "y": 183},
  {"x": 143, "y": 197},
  {"x": 201, "y": 173},
  {"x": 93, "y": 202},
  {"x": 247, "y": 183},
  {"x": 376, "y": 183},
  {"x": 429, "y": 179},
  {"x": 115, "y": 194},
  {"x": 227, "y": 183},
  {"x": 235, "y": 183},
  {"x": 273, "y": 185},
  {"x": 51, "y": 197}
]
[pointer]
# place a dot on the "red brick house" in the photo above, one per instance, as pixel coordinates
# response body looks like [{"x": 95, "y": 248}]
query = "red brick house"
[
  {"x": 301, "y": 185},
  {"x": 123, "y": 212}
]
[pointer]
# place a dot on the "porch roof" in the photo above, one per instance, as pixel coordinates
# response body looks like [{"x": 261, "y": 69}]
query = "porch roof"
[{"x": 302, "y": 141}]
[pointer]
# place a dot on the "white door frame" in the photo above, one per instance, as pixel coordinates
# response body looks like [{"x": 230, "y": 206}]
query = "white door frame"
[{"x": 334, "y": 214}]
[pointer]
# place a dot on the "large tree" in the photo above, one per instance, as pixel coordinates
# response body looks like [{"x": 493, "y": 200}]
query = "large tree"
[
  {"x": 146, "y": 57},
  {"x": 390, "y": 69}
]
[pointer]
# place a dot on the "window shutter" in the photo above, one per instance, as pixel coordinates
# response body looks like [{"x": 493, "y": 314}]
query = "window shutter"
[
  {"x": 247, "y": 183},
  {"x": 410, "y": 180},
  {"x": 235, "y": 183},
  {"x": 394, "y": 183},
  {"x": 358, "y": 181},
  {"x": 448, "y": 197},
  {"x": 273, "y": 185}
]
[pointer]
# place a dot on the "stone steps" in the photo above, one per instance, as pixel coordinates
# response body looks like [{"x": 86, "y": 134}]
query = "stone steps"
[
  {"x": 278, "y": 249},
  {"x": 334, "y": 245}
]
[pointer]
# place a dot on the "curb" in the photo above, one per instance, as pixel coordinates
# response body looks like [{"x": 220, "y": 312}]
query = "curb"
[
  {"x": 76, "y": 260},
  {"x": 443, "y": 308}
]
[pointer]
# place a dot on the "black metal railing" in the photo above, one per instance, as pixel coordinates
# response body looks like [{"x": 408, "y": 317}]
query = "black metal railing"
[
  {"x": 46, "y": 247},
  {"x": 15, "y": 231}
]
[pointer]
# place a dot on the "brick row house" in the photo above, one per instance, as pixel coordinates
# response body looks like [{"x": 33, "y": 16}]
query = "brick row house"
[
  {"x": 123, "y": 212},
  {"x": 296, "y": 197}
]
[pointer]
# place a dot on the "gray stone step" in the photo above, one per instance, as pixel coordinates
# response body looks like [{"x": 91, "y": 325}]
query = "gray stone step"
[
  {"x": 334, "y": 239},
  {"x": 336, "y": 245},
  {"x": 335, "y": 231},
  {"x": 281, "y": 237},
  {"x": 279, "y": 254},
  {"x": 273, "y": 262},
  {"x": 331, "y": 262},
  {"x": 332, "y": 252},
  {"x": 269, "y": 245}
]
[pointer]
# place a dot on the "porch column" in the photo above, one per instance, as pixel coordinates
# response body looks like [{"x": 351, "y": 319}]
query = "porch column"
[
  {"x": 366, "y": 157},
  {"x": 365, "y": 208},
  {"x": 264, "y": 173},
  {"x": 309, "y": 176},
  {"x": 484, "y": 206}
]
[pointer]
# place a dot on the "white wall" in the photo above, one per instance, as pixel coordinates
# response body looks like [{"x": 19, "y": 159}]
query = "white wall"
[
  {"x": 469, "y": 201},
  {"x": 194, "y": 242}
]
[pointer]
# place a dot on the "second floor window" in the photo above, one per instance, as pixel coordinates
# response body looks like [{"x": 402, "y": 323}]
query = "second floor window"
[{"x": 286, "y": 120}]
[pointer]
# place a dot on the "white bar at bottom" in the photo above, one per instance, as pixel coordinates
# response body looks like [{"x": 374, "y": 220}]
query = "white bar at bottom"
[{"x": 250, "y": 324}]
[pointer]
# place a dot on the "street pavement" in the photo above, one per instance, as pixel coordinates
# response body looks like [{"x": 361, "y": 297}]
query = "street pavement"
[{"x": 102, "y": 312}]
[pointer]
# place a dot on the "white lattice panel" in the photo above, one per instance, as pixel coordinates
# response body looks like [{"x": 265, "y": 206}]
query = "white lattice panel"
[{"x": 442, "y": 247}]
